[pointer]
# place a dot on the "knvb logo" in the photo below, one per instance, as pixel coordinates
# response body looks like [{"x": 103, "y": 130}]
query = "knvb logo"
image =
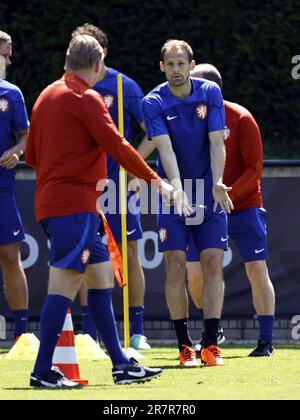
[
  {"x": 296, "y": 328},
  {"x": 2, "y": 328},
  {"x": 296, "y": 68}
]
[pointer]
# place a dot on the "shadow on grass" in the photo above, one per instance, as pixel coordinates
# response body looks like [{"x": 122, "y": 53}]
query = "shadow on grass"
[
  {"x": 234, "y": 357},
  {"x": 178, "y": 366}
]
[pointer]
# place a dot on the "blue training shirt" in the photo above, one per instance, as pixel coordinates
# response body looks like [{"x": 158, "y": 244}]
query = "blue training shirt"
[
  {"x": 187, "y": 122},
  {"x": 132, "y": 102},
  {"x": 13, "y": 118}
]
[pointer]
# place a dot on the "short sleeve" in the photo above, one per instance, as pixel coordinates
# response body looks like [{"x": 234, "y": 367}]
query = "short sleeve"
[
  {"x": 216, "y": 112},
  {"x": 20, "y": 117},
  {"x": 134, "y": 97},
  {"x": 153, "y": 118}
]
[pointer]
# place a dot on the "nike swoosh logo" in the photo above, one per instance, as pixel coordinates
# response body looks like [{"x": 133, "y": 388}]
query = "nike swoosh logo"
[
  {"x": 223, "y": 239},
  {"x": 16, "y": 232},
  {"x": 139, "y": 374},
  {"x": 171, "y": 118},
  {"x": 258, "y": 251},
  {"x": 130, "y": 232}
]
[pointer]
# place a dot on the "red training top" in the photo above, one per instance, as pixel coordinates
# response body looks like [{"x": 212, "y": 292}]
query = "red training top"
[
  {"x": 244, "y": 157},
  {"x": 70, "y": 131}
]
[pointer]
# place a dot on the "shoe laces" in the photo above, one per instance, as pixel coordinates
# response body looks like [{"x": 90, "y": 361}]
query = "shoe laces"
[
  {"x": 187, "y": 352},
  {"x": 215, "y": 351}
]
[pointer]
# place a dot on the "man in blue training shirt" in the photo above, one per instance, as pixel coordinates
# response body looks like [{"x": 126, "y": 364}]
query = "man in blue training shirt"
[
  {"x": 13, "y": 119},
  {"x": 185, "y": 119},
  {"x": 132, "y": 97}
]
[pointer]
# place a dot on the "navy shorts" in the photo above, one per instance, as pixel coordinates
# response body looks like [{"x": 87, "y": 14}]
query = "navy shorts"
[
  {"x": 248, "y": 230},
  {"x": 174, "y": 233},
  {"x": 133, "y": 220},
  {"x": 75, "y": 241},
  {"x": 11, "y": 229}
]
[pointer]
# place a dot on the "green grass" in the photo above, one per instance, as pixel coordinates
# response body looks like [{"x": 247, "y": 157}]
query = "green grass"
[{"x": 241, "y": 378}]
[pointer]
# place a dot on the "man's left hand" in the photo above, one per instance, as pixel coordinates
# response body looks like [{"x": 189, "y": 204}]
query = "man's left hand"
[
  {"x": 220, "y": 194},
  {"x": 9, "y": 159}
]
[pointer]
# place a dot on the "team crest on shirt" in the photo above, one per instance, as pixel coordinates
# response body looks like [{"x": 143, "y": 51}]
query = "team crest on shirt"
[
  {"x": 163, "y": 235},
  {"x": 4, "y": 105},
  {"x": 109, "y": 101},
  {"x": 201, "y": 111},
  {"x": 226, "y": 133},
  {"x": 85, "y": 256}
]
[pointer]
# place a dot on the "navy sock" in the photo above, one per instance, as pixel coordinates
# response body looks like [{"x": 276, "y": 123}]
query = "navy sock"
[
  {"x": 100, "y": 304},
  {"x": 88, "y": 326},
  {"x": 266, "y": 324},
  {"x": 136, "y": 315},
  {"x": 20, "y": 321},
  {"x": 183, "y": 336},
  {"x": 52, "y": 320}
]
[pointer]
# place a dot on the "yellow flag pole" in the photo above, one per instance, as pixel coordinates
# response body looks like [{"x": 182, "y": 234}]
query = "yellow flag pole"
[{"x": 123, "y": 202}]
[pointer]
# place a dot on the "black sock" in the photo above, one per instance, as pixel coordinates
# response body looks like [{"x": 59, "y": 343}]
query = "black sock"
[
  {"x": 183, "y": 336},
  {"x": 211, "y": 332}
]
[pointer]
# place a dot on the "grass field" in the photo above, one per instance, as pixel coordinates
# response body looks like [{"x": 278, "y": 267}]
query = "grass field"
[{"x": 241, "y": 378}]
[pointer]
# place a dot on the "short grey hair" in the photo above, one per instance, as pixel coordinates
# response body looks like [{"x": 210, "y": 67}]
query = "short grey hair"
[
  {"x": 208, "y": 72},
  {"x": 84, "y": 52},
  {"x": 4, "y": 38}
]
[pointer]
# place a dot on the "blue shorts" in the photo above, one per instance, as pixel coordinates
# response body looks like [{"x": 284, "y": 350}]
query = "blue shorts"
[
  {"x": 11, "y": 229},
  {"x": 133, "y": 218},
  {"x": 174, "y": 233},
  {"x": 75, "y": 241},
  {"x": 248, "y": 230}
]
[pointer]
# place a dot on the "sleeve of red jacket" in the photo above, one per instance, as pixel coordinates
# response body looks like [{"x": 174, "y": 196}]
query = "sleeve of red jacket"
[
  {"x": 102, "y": 128},
  {"x": 252, "y": 154}
]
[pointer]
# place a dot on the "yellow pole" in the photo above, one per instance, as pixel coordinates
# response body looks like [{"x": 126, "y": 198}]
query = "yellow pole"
[{"x": 123, "y": 202}]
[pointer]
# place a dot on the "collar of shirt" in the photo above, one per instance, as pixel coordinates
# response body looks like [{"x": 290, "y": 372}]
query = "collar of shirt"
[{"x": 70, "y": 77}]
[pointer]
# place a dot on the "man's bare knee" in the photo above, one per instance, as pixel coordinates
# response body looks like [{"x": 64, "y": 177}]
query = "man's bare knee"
[
  {"x": 175, "y": 262},
  {"x": 64, "y": 282},
  {"x": 132, "y": 249},
  {"x": 212, "y": 263},
  {"x": 176, "y": 267},
  {"x": 99, "y": 276},
  {"x": 9, "y": 254},
  {"x": 257, "y": 271}
]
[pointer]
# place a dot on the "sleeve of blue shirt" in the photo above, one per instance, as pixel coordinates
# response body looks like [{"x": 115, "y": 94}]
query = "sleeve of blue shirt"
[
  {"x": 216, "y": 113},
  {"x": 153, "y": 118},
  {"x": 134, "y": 96},
  {"x": 19, "y": 117}
]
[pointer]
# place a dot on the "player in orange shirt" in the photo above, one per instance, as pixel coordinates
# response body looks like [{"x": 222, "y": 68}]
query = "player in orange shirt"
[
  {"x": 70, "y": 132},
  {"x": 247, "y": 222}
]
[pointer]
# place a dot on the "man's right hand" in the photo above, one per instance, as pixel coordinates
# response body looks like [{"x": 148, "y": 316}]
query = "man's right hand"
[
  {"x": 182, "y": 204},
  {"x": 175, "y": 197}
]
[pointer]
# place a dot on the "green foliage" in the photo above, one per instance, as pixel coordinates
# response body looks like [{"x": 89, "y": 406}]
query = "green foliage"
[{"x": 252, "y": 43}]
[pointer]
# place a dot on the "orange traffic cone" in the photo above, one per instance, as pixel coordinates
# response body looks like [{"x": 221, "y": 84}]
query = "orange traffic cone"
[{"x": 65, "y": 356}]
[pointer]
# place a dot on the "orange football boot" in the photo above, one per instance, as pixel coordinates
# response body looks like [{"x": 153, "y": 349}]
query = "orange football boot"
[
  {"x": 211, "y": 356},
  {"x": 187, "y": 357}
]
